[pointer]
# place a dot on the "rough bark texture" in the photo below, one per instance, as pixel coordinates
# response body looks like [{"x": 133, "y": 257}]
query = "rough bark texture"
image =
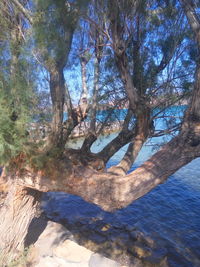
[
  {"x": 112, "y": 192},
  {"x": 57, "y": 89},
  {"x": 108, "y": 190},
  {"x": 16, "y": 214},
  {"x": 71, "y": 172},
  {"x": 130, "y": 156}
]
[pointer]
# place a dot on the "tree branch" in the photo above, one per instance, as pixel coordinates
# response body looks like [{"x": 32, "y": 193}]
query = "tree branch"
[{"x": 192, "y": 17}]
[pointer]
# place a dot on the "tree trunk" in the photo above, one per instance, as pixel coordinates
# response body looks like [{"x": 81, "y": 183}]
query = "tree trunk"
[
  {"x": 72, "y": 117},
  {"x": 130, "y": 156},
  {"x": 92, "y": 136},
  {"x": 142, "y": 131},
  {"x": 193, "y": 19},
  {"x": 16, "y": 214},
  {"x": 111, "y": 191},
  {"x": 89, "y": 140},
  {"x": 84, "y": 94},
  {"x": 123, "y": 138},
  {"x": 57, "y": 89},
  {"x": 119, "y": 45}
]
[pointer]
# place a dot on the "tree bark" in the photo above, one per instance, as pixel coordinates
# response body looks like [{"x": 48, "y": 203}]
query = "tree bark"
[
  {"x": 20, "y": 207},
  {"x": 111, "y": 191},
  {"x": 108, "y": 190},
  {"x": 130, "y": 156},
  {"x": 123, "y": 138},
  {"x": 57, "y": 90},
  {"x": 84, "y": 94},
  {"x": 142, "y": 132},
  {"x": 188, "y": 6},
  {"x": 92, "y": 135},
  {"x": 117, "y": 25}
]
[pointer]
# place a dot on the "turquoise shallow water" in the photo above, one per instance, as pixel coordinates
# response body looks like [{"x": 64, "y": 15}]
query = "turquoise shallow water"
[{"x": 170, "y": 213}]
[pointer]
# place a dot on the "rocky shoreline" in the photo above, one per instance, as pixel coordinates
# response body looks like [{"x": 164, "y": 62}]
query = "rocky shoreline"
[
  {"x": 57, "y": 247},
  {"x": 124, "y": 243},
  {"x": 51, "y": 244},
  {"x": 91, "y": 243},
  {"x": 129, "y": 247}
]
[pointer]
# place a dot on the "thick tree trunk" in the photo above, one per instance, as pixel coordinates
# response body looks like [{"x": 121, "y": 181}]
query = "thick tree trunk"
[
  {"x": 111, "y": 191},
  {"x": 16, "y": 214}
]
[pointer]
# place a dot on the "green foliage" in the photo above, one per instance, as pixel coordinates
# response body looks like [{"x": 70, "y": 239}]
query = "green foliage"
[
  {"x": 14, "y": 116},
  {"x": 16, "y": 98},
  {"x": 156, "y": 41},
  {"x": 54, "y": 24}
]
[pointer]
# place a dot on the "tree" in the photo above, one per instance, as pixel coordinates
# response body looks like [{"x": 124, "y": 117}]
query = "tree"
[{"x": 50, "y": 166}]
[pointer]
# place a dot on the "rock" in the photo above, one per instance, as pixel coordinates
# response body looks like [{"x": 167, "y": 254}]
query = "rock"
[
  {"x": 157, "y": 256},
  {"x": 99, "y": 261},
  {"x": 52, "y": 236},
  {"x": 105, "y": 228},
  {"x": 139, "y": 250},
  {"x": 56, "y": 247},
  {"x": 135, "y": 235},
  {"x": 58, "y": 262},
  {"x": 149, "y": 241},
  {"x": 71, "y": 251},
  {"x": 97, "y": 238},
  {"x": 89, "y": 244},
  {"x": 123, "y": 240},
  {"x": 130, "y": 228},
  {"x": 156, "y": 261},
  {"x": 50, "y": 262}
]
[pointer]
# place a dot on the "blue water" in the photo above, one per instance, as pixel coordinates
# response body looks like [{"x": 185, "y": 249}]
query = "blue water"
[{"x": 170, "y": 213}]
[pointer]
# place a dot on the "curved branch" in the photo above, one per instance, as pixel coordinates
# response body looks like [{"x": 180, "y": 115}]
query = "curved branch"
[
  {"x": 123, "y": 138},
  {"x": 111, "y": 191}
]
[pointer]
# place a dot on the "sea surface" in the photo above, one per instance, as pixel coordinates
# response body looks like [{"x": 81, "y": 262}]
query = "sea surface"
[{"x": 170, "y": 213}]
